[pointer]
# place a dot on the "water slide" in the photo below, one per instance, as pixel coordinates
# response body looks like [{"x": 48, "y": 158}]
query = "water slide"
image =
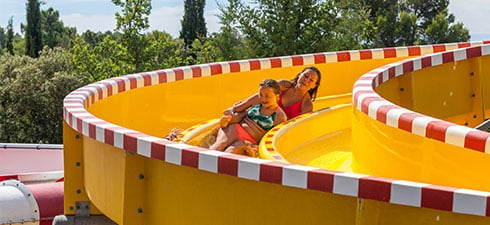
[
  {"x": 391, "y": 141},
  {"x": 31, "y": 186}
]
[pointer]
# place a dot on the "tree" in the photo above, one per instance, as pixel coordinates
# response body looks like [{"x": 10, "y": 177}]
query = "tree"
[
  {"x": 54, "y": 33},
  {"x": 193, "y": 24},
  {"x": 52, "y": 27},
  {"x": 10, "y": 37},
  {"x": 287, "y": 27},
  {"x": 31, "y": 95},
  {"x": 108, "y": 59},
  {"x": 93, "y": 39},
  {"x": 165, "y": 52},
  {"x": 412, "y": 22},
  {"x": 33, "y": 33},
  {"x": 3, "y": 39},
  {"x": 229, "y": 42},
  {"x": 132, "y": 22},
  {"x": 19, "y": 44},
  {"x": 441, "y": 30}
]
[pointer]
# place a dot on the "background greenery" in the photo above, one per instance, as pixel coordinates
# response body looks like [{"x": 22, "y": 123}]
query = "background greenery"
[{"x": 48, "y": 60}]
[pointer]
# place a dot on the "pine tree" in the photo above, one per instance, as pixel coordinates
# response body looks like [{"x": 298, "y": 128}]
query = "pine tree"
[
  {"x": 193, "y": 23},
  {"x": 10, "y": 37},
  {"x": 3, "y": 40},
  {"x": 52, "y": 27},
  {"x": 33, "y": 29}
]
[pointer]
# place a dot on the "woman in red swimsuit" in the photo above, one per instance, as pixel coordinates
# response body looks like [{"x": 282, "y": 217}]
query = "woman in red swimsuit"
[{"x": 296, "y": 95}]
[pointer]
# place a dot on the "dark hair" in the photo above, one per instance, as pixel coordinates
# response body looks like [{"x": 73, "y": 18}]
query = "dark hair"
[
  {"x": 270, "y": 83},
  {"x": 314, "y": 90}
]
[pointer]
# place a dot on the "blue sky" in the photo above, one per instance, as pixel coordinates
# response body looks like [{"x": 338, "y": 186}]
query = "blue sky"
[{"x": 98, "y": 15}]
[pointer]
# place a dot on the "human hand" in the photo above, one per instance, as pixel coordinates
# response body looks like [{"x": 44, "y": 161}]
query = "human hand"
[{"x": 228, "y": 111}]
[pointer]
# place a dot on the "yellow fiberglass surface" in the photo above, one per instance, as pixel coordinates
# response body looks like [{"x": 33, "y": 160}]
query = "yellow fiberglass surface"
[{"x": 351, "y": 161}]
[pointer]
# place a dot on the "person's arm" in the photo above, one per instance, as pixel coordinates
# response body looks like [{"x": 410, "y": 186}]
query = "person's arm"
[
  {"x": 243, "y": 105},
  {"x": 238, "y": 116},
  {"x": 280, "y": 117},
  {"x": 306, "y": 105},
  {"x": 284, "y": 84}
]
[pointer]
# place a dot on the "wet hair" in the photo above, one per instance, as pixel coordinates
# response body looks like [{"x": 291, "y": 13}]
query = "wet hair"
[
  {"x": 314, "y": 90},
  {"x": 270, "y": 83}
]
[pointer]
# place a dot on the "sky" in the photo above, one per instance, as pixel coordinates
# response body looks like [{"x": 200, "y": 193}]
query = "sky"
[{"x": 166, "y": 15}]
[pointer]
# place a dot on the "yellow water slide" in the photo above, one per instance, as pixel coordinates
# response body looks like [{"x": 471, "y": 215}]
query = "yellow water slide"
[{"x": 390, "y": 142}]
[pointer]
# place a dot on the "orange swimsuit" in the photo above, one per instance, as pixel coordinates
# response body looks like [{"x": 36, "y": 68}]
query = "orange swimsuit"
[{"x": 243, "y": 134}]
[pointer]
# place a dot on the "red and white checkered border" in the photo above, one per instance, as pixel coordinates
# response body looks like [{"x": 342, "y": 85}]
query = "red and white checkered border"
[
  {"x": 350, "y": 184},
  {"x": 368, "y": 101}
]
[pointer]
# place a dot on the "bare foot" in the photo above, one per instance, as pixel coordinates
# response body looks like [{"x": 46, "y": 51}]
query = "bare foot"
[
  {"x": 224, "y": 121},
  {"x": 252, "y": 151},
  {"x": 174, "y": 134}
]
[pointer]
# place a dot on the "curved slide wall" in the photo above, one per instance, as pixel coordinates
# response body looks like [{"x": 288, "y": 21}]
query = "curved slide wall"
[
  {"x": 116, "y": 159},
  {"x": 415, "y": 116}
]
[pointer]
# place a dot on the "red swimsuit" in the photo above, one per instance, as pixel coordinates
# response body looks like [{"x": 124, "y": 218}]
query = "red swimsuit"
[{"x": 292, "y": 110}]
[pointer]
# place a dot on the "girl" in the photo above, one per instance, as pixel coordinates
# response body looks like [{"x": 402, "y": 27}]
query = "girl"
[{"x": 239, "y": 130}]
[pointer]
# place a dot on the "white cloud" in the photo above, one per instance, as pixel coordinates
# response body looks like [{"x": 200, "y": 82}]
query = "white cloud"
[
  {"x": 84, "y": 1},
  {"x": 473, "y": 14},
  {"x": 97, "y": 22},
  {"x": 168, "y": 19},
  {"x": 212, "y": 20}
]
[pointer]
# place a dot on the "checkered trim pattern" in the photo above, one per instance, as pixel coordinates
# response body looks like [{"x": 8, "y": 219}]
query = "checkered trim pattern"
[
  {"x": 351, "y": 184},
  {"x": 268, "y": 143},
  {"x": 369, "y": 102}
]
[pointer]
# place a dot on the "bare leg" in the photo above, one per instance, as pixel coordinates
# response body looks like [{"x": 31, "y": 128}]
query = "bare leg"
[
  {"x": 237, "y": 147},
  {"x": 226, "y": 136},
  {"x": 225, "y": 120}
]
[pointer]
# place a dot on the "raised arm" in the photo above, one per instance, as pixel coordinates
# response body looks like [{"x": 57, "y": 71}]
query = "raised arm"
[{"x": 243, "y": 105}]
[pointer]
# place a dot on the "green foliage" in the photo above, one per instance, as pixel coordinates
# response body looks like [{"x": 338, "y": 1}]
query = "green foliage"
[
  {"x": 425, "y": 10},
  {"x": 3, "y": 39},
  {"x": 132, "y": 22},
  {"x": 441, "y": 30},
  {"x": 287, "y": 27},
  {"x": 193, "y": 24},
  {"x": 412, "y": 22},
  {"x": 229, "y": 42},
  {"x": 165, "y": 52},
  {"x": 93, "y": 39},
  {"x": 31, "y": 96},
  {"x": 10, "y": 37},
  {"x": 19, "y": 44},
  {"x": 54, "y": 33},
  {"x": 350, "y": 26},
  {"x": 33, "y": 33},
  {"x": 108, "y": 59},
  {"x": 204, "y": 51}
]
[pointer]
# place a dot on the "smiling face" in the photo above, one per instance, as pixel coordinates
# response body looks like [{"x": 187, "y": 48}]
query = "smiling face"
[
  {"x": 267, "y": 97},
  {"x": 308, "y": 79}
]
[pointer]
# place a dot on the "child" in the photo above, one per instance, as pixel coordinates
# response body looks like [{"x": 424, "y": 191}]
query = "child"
[{"x": 239, "y": 130}]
